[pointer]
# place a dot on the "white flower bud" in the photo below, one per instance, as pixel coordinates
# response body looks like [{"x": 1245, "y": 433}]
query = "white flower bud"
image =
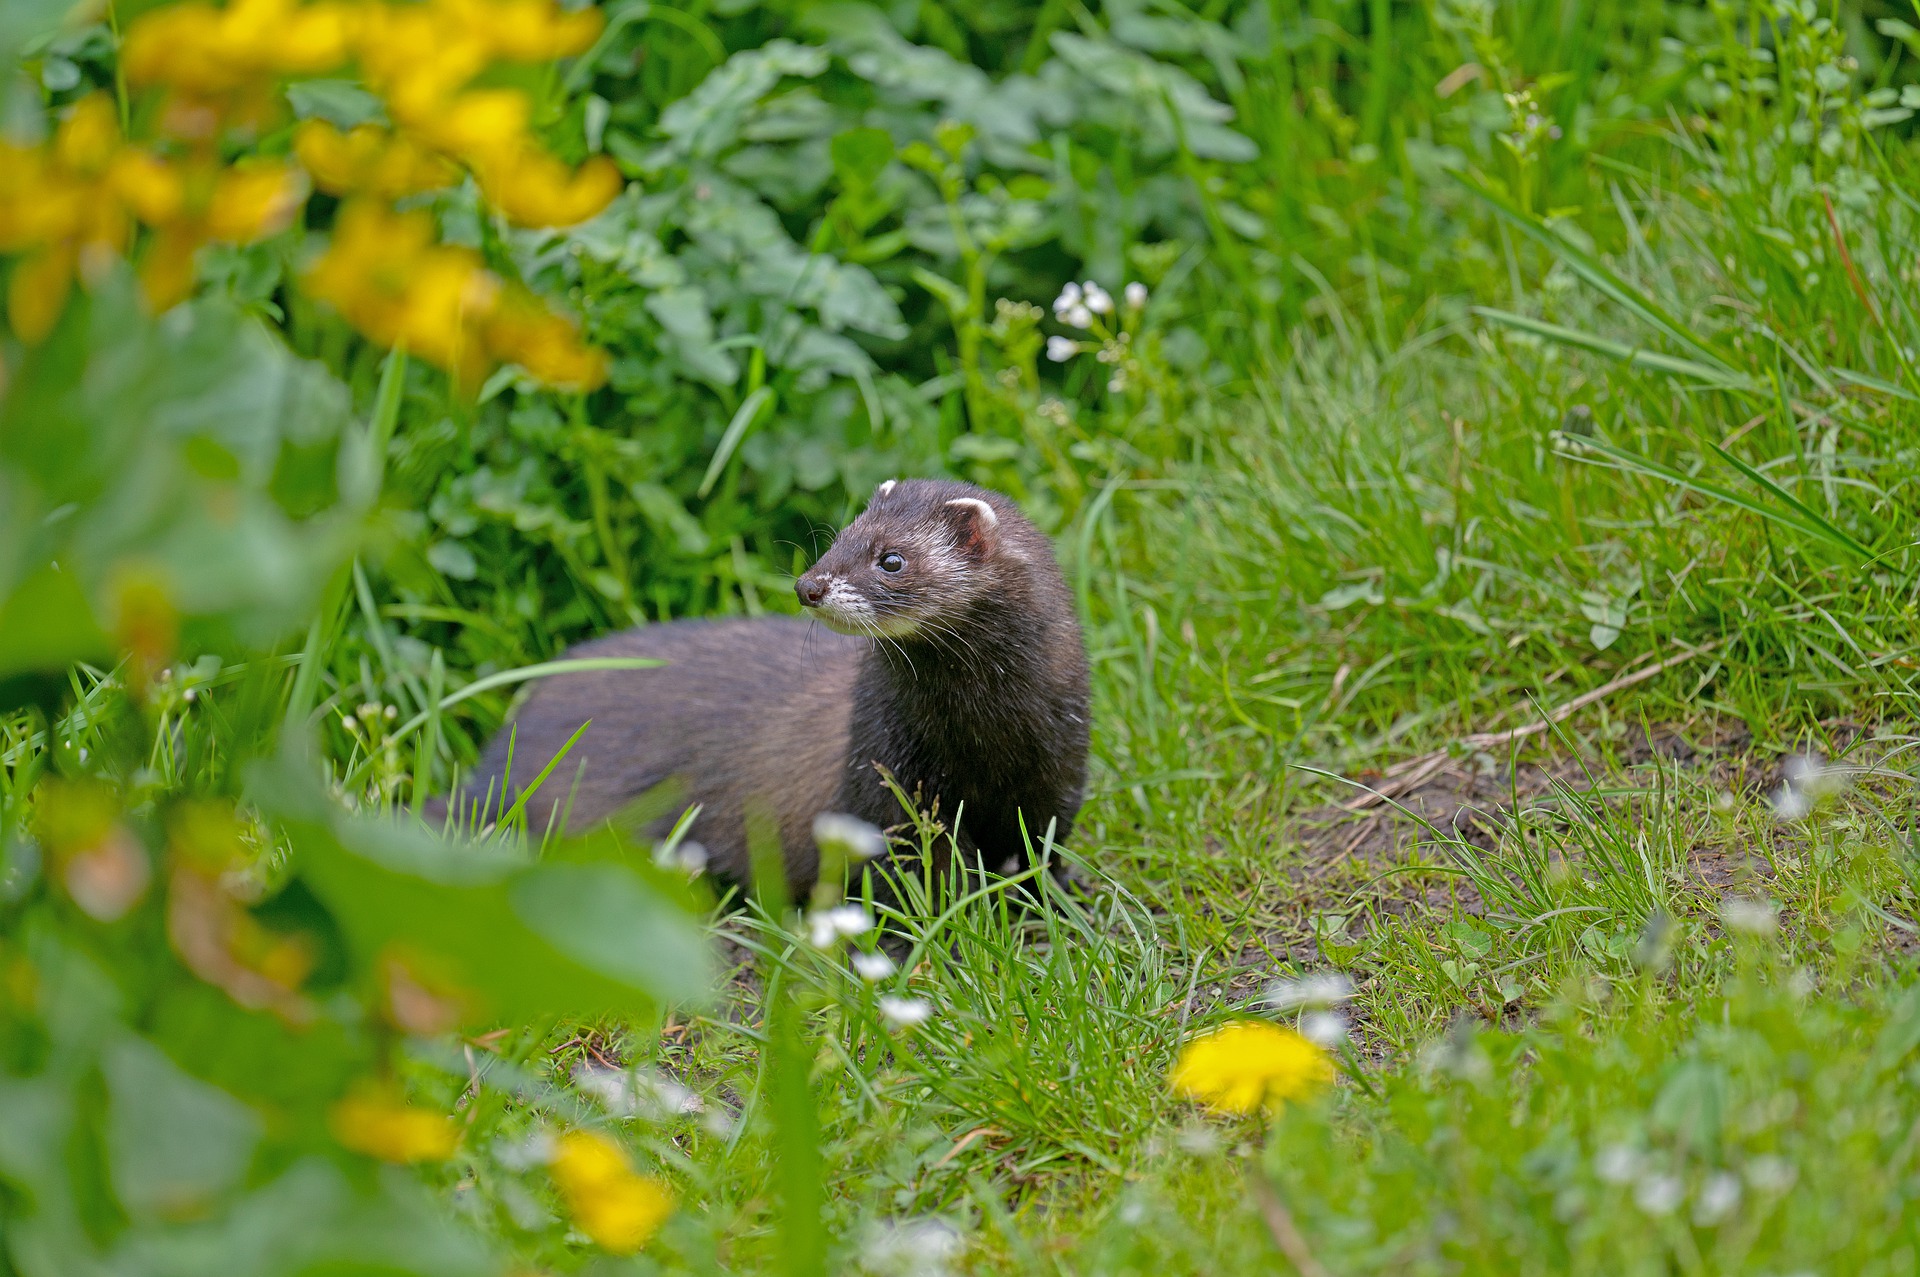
[
  {"x": 1136, "y": 295},
  {"x": 1061, "y": 349},
  {"x": 1069, "y": 298},
  {"x": 1078, "y": 317},
  {"x": 905, "y": 1013},
  {"x": 855, "y": 838},
  {"x": 1099, "y": 301}
]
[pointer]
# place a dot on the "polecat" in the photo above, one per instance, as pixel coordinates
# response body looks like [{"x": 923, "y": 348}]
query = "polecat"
[{"x": 948, "y": 652}]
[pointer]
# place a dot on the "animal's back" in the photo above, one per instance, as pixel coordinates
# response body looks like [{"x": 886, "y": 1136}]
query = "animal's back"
[{"x": 744, "y": 710}]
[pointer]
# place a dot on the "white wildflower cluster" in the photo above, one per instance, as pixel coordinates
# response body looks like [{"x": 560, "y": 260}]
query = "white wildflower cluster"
[
  {"x": 1318, "y": 997},
  {"x": 872, "y": 967},
  {"x": 1657, "y": 1191},
  {"x": 1089, "y": 307},
  {"x": 1806, "y": 781},
  {"x": 636, "y": 1092},
  {"x": 369, "y": 715}
]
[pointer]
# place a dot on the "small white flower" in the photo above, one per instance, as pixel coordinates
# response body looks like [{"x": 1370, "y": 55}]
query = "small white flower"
[
  {"x": 350, "y": 723},
  {"x": 1617, "y": 1163},
  {"x": 1327, "y": 1028},
  {"x": 827, "y": 926},
  {"x": 1099, "y": 301},
  {"x": 1069, "y": 298},
  {"x": 1749, "y": 917},
  {"x": 1659, "y": 1194},
  {"x": 855, "y": 838},
  {"x": 190, "y": 695},
  {"x": 1770, "y": 1174},
  {"x": 910, "y": 1248},
  {"x": 1717, "y": 1199},
  {"x": 689, "y": 857},
  {"x": 533, "y": 1149},
  {"x": 1078, "y": 316},
  {"x": 1321, "y": 989},
  {"x": 873, "y": 967},
  {"x": 1061, "y": 349},
  {"x": 1790, "y": 804},
  {"x": 390, "y": 713},
  {"x": 905, "y": 1013},
  {"x": 1807, "y": 780},
  {"x": 1136, "y": 295}
]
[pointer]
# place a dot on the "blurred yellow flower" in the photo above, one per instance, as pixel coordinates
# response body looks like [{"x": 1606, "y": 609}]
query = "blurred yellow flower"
[
  {"x": 37, "y": 292},
  {"x": 546, "y": 345},
  {"x": 532, "y": 188},
  {"x": 620, "y": 1209},
  {"x": 369, "y": 161},
  {"x": 1248, "y": 1065},
  {"x": 392, "y": 1130},
  {"x": 384, "y": 273},
  {"x": 206, "y": 50},
  {"x": 253, "y": 200}
]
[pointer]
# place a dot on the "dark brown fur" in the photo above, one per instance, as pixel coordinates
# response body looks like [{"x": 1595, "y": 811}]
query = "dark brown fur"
[{"x": 963, "y": 674}]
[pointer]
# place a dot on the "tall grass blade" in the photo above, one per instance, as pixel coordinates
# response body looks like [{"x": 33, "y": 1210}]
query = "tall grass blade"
[
  {"x": 1600, "y": 277},
  {"x": 1716, "y": 375},
  {"x": 1815, "y": 528}
]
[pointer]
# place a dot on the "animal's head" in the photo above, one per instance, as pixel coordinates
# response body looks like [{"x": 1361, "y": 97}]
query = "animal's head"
[{"x": 922, "y": 550}]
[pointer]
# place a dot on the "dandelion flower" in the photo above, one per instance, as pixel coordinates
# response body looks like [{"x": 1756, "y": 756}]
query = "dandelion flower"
[
  {"x": 906, "y": 1013},
  {"x": 1061, "y": 349},
  {"x": 1248, "y": 1065},
  {"x": 392, "y": 1130},
  {"x": 618, "y": 1208}
]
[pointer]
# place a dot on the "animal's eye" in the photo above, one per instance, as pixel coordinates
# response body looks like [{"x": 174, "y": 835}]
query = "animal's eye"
[{"x": 891, "y": 562}]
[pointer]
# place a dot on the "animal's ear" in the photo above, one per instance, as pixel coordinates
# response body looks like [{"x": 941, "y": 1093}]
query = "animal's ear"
[{"x": 973, "y": 522}]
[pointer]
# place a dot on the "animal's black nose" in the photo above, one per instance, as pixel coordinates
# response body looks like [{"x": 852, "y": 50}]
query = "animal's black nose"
[{"x": 811, "y": 590}]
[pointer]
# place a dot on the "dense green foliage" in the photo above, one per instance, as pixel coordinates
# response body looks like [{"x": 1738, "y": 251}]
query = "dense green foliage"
[{"x": 1493, "y": 356}]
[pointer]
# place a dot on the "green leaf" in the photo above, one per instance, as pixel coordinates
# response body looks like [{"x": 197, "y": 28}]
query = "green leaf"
[
  {"x": 513, "y": 940},
  {"x": 859, "y": 156},
  {"x": 176, "y": 1142}
]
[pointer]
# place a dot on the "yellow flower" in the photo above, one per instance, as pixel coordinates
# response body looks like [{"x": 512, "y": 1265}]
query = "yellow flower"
[
  {"x": 528, "y": 30},
  {"x": 251, "y": 201},
  {"x": 37, "y": 292},
  {"x": 1248, "y": 1064},
  {"x": 392, "y": 1130},
  {"x": 534, "y": 189},
  {"x": 369, "y": 160},
  {"x": 612, "y": 1204},
  {"x": 546, "y": 345},
  {"x": 200, "y": 49}
]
